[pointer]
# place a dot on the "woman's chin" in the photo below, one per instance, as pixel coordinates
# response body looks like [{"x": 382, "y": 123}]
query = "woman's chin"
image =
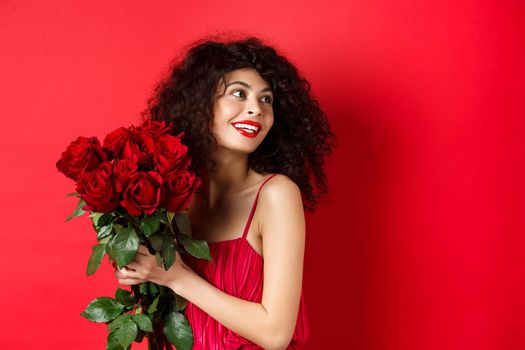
[{"x": 233, "y": 150}]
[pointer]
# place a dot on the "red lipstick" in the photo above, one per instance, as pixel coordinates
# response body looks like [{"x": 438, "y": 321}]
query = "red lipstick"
[{"x": 247, "y": 128}]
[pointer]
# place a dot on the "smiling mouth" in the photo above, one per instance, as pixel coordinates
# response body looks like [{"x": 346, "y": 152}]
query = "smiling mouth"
[{"x": 247, "y": 130}]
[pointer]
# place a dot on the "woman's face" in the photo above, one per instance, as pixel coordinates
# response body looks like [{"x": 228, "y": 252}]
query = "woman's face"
[{"x": 243, "y": 115}]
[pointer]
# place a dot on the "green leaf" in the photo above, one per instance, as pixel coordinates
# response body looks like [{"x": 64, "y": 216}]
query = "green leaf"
[
  {"x": 150, "y": 224},
  {"x": 125, "y": 246},
  {"x": 153, "y": 307},
  {"x": 156, "y": 241},
  {"x": 180, "y": 303},
  {"x": 102, "y": 309},
  {"x": 178, "y": 330},
  {"x": 104, "y": 231},
  {"x": 143, "y": 288},
  {"x": 118, "y": 228},
  {"x": 109, "y": 248},
  {"x": 183, "y": 223},
  {"x": 152, "y": 288},
  {"x": 116, "y": 323},
  {"x": 72, "y": 194},
  {"x": 161, "y": 214},
  {"x": 167, "y": 252},
  {"x": 112, "y": 342},
  {"x": 158, "y": 259},
  {"x": 124, "y": 297},
  {"x": 94, "y": 216},
  {"x": 78, "y": 210},
  {"x": 126, "y": 333},
  {"x": 105, "y": 240},
  {"x": 144, "y": 322},
  {"x": 97, "y": 253},
  {"x": 196, "y": 247},
  {"x": 100, "y": 219}
]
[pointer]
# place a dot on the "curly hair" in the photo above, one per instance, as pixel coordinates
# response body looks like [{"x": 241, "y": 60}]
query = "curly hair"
[{"x": 300, "y": 137}]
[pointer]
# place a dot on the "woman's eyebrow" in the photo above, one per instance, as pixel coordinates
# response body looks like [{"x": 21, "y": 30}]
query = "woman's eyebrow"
[{"x": 248, "y": 86}]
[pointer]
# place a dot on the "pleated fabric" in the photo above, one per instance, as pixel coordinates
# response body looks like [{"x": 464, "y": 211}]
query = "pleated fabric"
[{"x": 237, "y": 269}]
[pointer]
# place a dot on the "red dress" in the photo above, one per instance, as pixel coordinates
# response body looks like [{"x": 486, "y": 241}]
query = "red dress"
[{"x": 237, "y": 269}]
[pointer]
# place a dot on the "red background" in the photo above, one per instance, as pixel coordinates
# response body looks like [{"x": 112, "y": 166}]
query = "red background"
[{"x": 419, "y": 245}]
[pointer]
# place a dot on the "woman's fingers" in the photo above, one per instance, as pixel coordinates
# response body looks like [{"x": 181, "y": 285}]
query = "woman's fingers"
[
  {"x": 128, "y": 277},
  {"x": 135, "y": 272},
  {"x": 127, "y": 272},
  {"x": 135, "y": 266},
  {"x": 130, "y": 281},
  {"x": 144, "y": 268}
]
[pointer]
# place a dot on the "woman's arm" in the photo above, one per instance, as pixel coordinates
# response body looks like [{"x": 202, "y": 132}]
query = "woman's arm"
[{"x": 271, "y": 323}]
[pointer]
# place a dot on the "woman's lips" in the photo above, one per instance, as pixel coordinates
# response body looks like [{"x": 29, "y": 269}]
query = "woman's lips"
[
  {"x": 247, "y": 134},
  {"x": 241, "y": 125}
]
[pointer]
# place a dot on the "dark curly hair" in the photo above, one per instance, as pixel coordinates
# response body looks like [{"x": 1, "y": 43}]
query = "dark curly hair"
[{"x": 300, "y": 136}]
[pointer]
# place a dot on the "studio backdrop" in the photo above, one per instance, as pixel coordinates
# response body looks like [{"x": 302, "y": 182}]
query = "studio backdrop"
[{"x": 420, "y": 242}]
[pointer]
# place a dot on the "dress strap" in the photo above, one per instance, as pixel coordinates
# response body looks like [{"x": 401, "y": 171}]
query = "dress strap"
[{"x": 254, "y": 206}]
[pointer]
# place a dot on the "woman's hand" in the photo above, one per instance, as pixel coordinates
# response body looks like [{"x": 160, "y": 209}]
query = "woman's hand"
[{"x": 144, "y": 268}]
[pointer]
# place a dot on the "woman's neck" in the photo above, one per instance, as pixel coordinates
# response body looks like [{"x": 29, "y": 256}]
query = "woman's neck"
[{"x": 230, "y": 175}]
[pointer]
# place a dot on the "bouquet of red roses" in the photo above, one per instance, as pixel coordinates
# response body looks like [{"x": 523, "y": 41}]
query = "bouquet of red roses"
[{"x": 136, "y": 186}]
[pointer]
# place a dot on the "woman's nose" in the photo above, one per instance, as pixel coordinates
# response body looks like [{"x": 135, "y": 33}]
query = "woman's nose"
[{"x": 254, "y": 109}]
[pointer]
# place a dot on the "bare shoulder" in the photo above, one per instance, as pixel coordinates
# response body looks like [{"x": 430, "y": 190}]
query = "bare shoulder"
[
  {"x": 280, "y": 188},
  {"x": 280, "y": 204}
]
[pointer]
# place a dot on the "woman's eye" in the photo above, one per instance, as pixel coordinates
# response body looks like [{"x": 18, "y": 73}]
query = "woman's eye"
[
  {"x": 238, "y": 91},
  {"x": 268, "y": 99}
]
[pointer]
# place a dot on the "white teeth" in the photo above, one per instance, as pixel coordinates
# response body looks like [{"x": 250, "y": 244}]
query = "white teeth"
[{"x": 246, "y": 127}]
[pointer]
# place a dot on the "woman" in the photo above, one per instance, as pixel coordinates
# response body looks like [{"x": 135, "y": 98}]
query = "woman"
[{"x": 257, "y": 140}]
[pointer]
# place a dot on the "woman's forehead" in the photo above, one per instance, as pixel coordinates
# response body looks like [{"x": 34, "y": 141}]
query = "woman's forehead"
[{"x": 247, "y": 75}]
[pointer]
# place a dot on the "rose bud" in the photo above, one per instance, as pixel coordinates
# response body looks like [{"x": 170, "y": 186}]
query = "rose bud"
[
  {"x": 180, "y": 188},
  {"x": 97, "y": 189},
  {"x": 143, "y": 194},
  {"x": 83, "y": 154}
]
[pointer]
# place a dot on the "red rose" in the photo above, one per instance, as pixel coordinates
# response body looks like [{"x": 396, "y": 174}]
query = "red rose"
[
  {"x": 115, "y": 140},
  {"x": 83, "y": 154},
  {"x": 138, "y": 147},
  {"x": 98, "y": 190},
  {"x": 155, "y": 128},
  {"x": 122, "y": 171},
  {"x": 143, "y": 194},
  {"x": 180, "y": 188},
  {"x": 170, "y": 155}
]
